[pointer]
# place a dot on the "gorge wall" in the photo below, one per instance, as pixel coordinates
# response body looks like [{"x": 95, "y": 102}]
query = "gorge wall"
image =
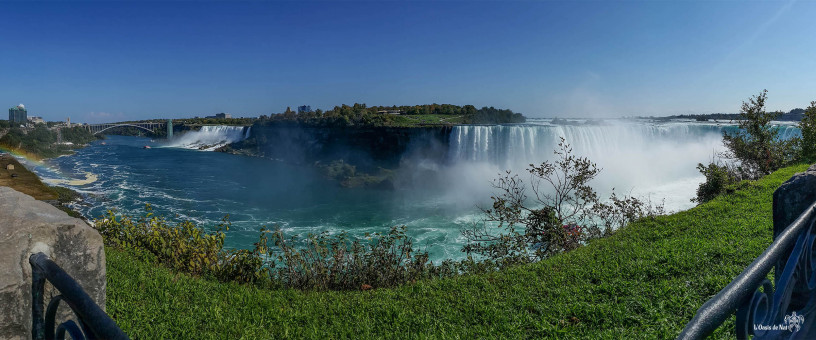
[{"x": 366, "y": 147}]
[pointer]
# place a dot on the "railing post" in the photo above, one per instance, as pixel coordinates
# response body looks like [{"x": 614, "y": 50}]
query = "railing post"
[
  {"x": 93, "y": 322},
  {"x": 37, "y": 291}
]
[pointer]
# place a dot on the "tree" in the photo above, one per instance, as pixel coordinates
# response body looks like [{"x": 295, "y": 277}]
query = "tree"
[
  {"x": 756, "y": 146},
  {"x": 289, "y": 114},
  {"x": 808, "y": 127}
]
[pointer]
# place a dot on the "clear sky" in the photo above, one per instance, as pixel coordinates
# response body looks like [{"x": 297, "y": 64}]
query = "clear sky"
[{"x": 111, "y": 61}]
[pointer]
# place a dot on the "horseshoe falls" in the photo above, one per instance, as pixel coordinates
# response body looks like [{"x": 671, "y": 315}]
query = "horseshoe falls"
[{"x": 435, "y": 196}]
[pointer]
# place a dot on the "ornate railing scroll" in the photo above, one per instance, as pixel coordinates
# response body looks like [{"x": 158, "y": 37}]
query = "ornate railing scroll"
[
  {"x": 782, "y": 310},
  {"x": 93, "y": 323}
]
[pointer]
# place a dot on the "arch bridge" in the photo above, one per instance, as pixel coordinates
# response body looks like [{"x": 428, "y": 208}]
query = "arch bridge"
[{"x": 151, "y": 127}]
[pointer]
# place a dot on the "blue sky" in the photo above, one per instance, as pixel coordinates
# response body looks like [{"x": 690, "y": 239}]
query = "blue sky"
[{"x": 110, "y": 61}]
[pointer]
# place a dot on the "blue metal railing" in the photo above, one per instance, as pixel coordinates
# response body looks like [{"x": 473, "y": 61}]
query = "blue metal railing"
[
  {"x": 93, "y": 322},
  {"x": 784, "y": 309}
]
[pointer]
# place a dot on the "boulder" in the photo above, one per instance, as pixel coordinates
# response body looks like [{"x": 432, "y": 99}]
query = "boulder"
[
  {"x": 792, "y": 198},
  {"x": 28, "y": 226},
  {"x": 789, "y": 201}
]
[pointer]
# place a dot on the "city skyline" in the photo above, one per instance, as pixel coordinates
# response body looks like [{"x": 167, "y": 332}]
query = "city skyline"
[{"x": 99, "y": 62}]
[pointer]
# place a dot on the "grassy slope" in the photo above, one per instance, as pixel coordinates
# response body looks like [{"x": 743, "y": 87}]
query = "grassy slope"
[
  {"x": 420, "y": 120},
  {"x": 646, "y": 281},
  {"x": 26, "y": 181}
]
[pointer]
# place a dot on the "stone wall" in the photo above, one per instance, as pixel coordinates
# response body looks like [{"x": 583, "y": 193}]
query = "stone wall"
[{"x": 28, "y": 226}]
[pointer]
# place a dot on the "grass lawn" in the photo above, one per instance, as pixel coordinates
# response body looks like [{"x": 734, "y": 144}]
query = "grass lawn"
[
  {"x": 419, "y": 120},
  {"x": 646, "y": 281}
]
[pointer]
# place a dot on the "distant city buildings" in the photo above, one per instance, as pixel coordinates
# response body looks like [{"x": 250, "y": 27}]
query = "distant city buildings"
[
  {"x": 220, "y": 116},
  {"x": 391, "y": 112},
  {"x": 35, "y": 120},
  {"x": 18, "y": 114},
  {"x": 304, "y": 109}
]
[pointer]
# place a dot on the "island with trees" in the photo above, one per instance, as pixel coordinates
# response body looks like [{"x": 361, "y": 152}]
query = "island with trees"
[{"x": 360, "y": 145}]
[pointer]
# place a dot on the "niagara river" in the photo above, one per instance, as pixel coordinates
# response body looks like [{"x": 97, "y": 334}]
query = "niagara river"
[{"x": 182, "y": 178}]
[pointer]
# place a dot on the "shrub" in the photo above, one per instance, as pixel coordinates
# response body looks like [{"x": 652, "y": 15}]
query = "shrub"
[
  {"x": 717, "y": 179},
  {"x": 808, "y": 127},
  {"x": 622, "y": 210},
  {"x": 756, "y": 147},
  {"x": 184, "y": 246},
  {"x": 318, "y": 262},
  {"x": 562, "y": 216},
  {"x": 340, "y": 263}
]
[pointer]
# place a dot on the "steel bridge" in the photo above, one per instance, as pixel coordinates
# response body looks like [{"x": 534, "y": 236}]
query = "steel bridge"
[{"x": 151, "y": 127}]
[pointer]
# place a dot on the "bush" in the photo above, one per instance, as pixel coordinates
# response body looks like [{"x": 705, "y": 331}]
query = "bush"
[
  {"x": 320, "y": 262},
  {"x": 622, "y": 210},
  {"x": 184, "y": 246},
  {"x": 564, "y": 215},
  {"x": 717, "y": 178},
  {"x": 808, "y": 127},
  {"x": 339, "y": 263},
  {"x": 756, "y": 148}
]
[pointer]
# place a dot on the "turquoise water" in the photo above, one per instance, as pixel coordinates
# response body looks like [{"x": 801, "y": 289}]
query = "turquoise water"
[
  {"x": 434, "y": 198},
  {"x": 206, "y": 186}
]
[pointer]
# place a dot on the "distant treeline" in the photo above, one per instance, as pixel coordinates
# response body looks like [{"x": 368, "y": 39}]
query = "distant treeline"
[
  {"x": 45, "y": 142},
  {"x": 363, "y": 115},
  {"x": 794, "y": 115}
]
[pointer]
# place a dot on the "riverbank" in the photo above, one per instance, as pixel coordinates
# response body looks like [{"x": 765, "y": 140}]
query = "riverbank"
[
  {"x": 14, "y": 175},
  {"x": 41, "y": 142},
  {"x": 646, "y": 281}
]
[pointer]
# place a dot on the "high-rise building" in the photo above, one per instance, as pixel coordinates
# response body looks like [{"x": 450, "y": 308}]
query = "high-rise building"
[
  {"x": 304, "y": 109},
  {"x": 18, "y": 115}
]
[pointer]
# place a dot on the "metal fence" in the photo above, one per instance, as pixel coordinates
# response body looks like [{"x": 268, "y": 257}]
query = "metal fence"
[
  {"x": 782, "y": 310},
  {"x": 93, "y": 323}
]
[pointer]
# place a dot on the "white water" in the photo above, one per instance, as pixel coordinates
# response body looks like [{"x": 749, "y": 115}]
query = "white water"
[
  {"x": 210, "y": 138},
  {"x": 657, "y": 160}
]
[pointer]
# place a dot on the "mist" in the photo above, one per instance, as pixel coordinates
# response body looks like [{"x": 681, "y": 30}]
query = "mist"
[{"x": 655, "y": 161}]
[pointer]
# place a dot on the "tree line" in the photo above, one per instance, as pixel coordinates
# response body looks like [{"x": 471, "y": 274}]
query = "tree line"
[{"x": 360, "y": 114}]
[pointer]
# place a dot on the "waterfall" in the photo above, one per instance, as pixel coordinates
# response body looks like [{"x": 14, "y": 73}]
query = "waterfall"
[
  {"x": 637, "y": 157},
  {"x": 210, "y": 137},
  {"x": 506, "y": 145},
  {"x": 509, "y": 145}
]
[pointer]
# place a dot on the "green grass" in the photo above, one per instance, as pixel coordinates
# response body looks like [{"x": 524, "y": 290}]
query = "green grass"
[
  {"x": 419, "y": 120},
  {"x": 646, "y": 281}
]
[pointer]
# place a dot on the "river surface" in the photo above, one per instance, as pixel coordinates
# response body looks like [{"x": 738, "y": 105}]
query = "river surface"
[{"x": 434, "y": 199}]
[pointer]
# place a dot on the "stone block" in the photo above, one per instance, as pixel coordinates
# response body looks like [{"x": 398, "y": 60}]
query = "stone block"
[
  {"x": 792, "y": 198},
  {"x": 28, "y": 226}
]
